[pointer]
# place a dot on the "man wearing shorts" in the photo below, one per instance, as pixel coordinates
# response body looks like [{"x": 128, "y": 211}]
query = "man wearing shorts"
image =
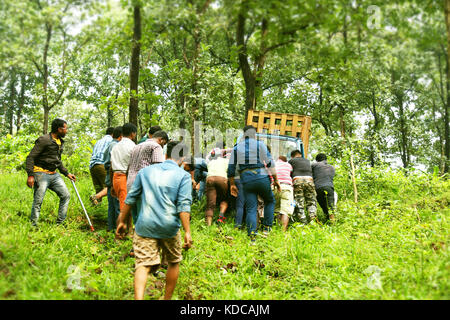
[
  {"x": 162, "y": 204},
  {"x": 285, "y": 198}
]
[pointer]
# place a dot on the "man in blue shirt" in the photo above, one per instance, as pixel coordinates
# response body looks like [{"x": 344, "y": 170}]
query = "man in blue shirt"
[
  {"x": 97, "y": 168},
  {"x": 253, "y": 158},
  {"x": 161, "y": 203}
]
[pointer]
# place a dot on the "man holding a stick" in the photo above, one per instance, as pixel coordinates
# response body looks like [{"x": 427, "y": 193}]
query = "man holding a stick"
[{"x": 41, "y": 165}]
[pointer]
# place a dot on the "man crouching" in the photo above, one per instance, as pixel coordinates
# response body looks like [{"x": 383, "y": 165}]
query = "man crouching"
[{"x": 163, "y": 196}]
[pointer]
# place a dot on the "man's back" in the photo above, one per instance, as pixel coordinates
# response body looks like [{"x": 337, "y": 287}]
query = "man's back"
[
  {"x": 323, "y": 174},
  {"x": 120, "y": 154},
  {"x": 143, "y": 155},
  {"x": 99, "y": 150},
  {"x": 284, "y": 170},
  {"x": 251, "y": 155},
  {"x": 301, "y": 167},
  {"x": 159, "y": 201}
]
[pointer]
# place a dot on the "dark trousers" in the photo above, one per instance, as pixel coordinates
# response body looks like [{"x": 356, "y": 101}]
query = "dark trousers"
[
  {"x": 240, "y": 202},
  {"x": 325, "y": 198},
  {"x": 113, "y": 211},
  {"x": 252, "y": 189}
]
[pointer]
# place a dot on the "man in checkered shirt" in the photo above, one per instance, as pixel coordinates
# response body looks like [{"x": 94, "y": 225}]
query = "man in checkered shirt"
[{"x": 144, "y": 154}]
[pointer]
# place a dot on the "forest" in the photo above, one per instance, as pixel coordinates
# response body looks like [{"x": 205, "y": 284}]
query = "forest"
[{"x": 373, "y": 75}]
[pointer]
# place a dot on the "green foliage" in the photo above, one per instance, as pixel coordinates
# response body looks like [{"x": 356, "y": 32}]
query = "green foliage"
[
  {"x": 393, "y": 244},
  {"x": 14, "y": 151}
]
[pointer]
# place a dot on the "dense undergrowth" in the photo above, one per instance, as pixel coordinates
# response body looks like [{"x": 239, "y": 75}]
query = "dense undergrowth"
[{"x": 392, "y": 244}]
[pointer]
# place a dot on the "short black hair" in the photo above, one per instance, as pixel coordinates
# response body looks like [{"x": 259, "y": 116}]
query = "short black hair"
[
  {"x": 190, "y": 163},
  {"x": 117, "y": 132},
  {"x": 56, "y": 124},
  {"x": 295, "y": 152},
  {"x": 249, "y": 131},
  {"x": 154, "y": 129},
  {"x": 110, "y": 130},
  {"x": 128, "y": 129},
  {"x": 321, "y": 157},
  {"x": 161, "y": 134},
  {"x": 176, "y": 150}
]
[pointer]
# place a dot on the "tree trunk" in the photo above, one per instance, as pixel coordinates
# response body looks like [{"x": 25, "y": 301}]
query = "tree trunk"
[
  {"x": 374, "y": 130},
  {"x": 134, "y": 67},
  {"x": 9, "y": 117},
  {"x": 249, "y": 78},
  {"x": 21, "y": 102},
  {"x": 45, "y": 79},
  {"x": 108, "y": 115},
  {"x": 403, "y": 133},
  {"x": 446, "y": 107}
]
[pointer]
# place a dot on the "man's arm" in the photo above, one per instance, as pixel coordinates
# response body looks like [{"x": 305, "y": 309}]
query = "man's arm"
[
  {"x": 122, "y": 227},
  {"x": 185, "y": 217},
  {"x": 35, "y": 152},
  {"x": 184, "y": 201}
]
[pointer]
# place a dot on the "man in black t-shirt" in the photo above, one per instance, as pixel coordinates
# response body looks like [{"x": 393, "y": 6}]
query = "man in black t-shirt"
[
  {"x": 323, "y": 175},
  {"x": 304, "y": 190}
]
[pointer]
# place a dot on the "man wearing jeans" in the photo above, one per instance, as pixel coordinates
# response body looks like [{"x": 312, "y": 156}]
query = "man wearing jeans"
[
  {"x": 113, "y": 202},
  {"x": 252, "y": 156},
  {"x": 41, "y": 165}
]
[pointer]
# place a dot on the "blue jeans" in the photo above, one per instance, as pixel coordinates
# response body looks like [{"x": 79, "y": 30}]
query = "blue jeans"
[
  {"x": 240, "y": 202},
  {"x": 201, "y": 190},
  {"x": 54, "y": 182},
  {"x": 113, "y": 211},
  {"x": 252, "y": 189}
]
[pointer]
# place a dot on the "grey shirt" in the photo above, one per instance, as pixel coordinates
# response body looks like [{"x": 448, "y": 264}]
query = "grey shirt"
[
  {"x": 323, "y": 174},
  {"x": 301, "y": 167}
]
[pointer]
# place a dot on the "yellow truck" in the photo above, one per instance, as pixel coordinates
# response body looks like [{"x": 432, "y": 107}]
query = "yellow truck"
[{"x": 282, "y": 132}]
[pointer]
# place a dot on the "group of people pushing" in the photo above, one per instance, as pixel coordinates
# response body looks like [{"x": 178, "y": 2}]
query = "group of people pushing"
[{"x": 153, "y": 190}]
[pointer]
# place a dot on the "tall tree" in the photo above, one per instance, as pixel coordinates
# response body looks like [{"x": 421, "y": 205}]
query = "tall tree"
[{"x": 135, "y": 64}]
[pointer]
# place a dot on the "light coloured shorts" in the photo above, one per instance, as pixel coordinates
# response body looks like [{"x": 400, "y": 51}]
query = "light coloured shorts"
[
  {"x": 147, "y": 250},
  {"x": 284, "y": 200}
]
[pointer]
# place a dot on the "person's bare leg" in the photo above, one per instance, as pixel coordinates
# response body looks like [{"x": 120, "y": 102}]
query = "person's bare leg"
[
  {"x": 140, "y": 281},
  {"x": 284, "y": 221},
  {"x": 171, "y": 279},
  {"x": 208, "y": 221},
  {"x": 101, "y": 194},
  {"x": 223, "y": 208}
]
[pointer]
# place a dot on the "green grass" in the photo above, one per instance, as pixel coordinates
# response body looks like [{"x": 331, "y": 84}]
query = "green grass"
[{"x": 403, "y": 233}]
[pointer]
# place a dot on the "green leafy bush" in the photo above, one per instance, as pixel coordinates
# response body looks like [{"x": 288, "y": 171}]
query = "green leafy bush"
[{"x": 15, "y": 149}]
